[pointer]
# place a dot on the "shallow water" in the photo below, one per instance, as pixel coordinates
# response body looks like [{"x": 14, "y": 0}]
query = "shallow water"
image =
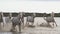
[
  {"x": 40, "y": 20},
  {"x": 35, "y": 30},
  {"x": 9, "y": 33}
]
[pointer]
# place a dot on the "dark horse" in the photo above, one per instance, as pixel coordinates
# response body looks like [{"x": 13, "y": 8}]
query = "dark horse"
[{"x": 17, "y": 21}]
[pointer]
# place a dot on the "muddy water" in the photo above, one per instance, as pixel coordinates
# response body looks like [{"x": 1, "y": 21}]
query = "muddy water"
[{"x": 34, "y": 30}]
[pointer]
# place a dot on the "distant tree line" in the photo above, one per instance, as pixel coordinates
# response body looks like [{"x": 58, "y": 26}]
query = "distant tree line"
[{"x": 37, "y": 14}]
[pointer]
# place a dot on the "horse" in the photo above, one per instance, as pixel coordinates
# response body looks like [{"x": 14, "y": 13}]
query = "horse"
[
  {"x": 50, "y": 19},
  {"x": 17, "y": 21},
  {"x": 30, "y": 19},
  {"x": 22, "y": 18}
]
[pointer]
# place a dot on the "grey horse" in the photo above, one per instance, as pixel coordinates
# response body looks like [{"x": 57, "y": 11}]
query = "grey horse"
[
  {"x": 22, "y": 18},
  {"x": 30, "y": 19},
  {"x": 17, "y": 21},
  {"x": 50, "y": 20}
]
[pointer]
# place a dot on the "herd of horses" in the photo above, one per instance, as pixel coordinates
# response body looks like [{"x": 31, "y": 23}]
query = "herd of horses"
[{"x": 30, "y": 19}]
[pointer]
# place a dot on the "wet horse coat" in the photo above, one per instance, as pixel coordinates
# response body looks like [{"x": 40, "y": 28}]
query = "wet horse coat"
[
  {"x": 50, "y": 20},
  {"x": 30, "y": 19},
  {"x": 18, "y": 21}
]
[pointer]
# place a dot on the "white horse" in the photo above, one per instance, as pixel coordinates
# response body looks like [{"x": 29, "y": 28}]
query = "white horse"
[
  {"x": 50, "y": 20},
  {"x": 30, "y": 19}
]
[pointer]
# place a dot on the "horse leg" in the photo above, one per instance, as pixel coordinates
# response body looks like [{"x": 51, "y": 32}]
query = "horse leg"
[
  {"x": 53, "y": 24},
  {"x": 19, "y": 27},
  {"x": 56, "y": 24},
  {"x": 23, "y": 24},
  {"x": 48, "y": 24},
  {"x": 13, "y": 27},
  {"x": 27, "y": 23},
  {"x": 3, "y": 24},
  {"x": 32, "y": 23},
  {"x": 0, "y": 25}
]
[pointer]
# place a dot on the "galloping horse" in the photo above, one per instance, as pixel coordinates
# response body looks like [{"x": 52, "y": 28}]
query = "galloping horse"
[
  {"x": 17, "y": 21},
  {"x": 30, "y": 19},
  {"x": 50, "y": 19}
]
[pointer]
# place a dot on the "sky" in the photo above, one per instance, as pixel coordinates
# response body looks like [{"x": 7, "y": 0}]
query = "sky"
[{"x": 38, "y": 6}]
